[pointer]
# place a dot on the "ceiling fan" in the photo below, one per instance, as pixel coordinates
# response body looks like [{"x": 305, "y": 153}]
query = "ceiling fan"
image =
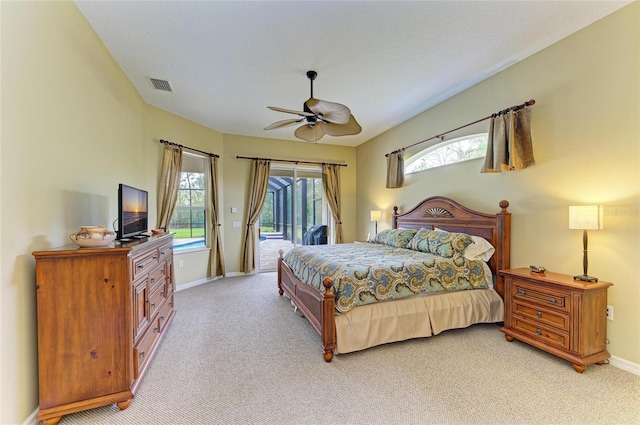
[{"x": 320, "y": 117}]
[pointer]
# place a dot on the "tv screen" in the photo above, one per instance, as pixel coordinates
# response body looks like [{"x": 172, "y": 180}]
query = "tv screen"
[{"x": 132, "y": 211}]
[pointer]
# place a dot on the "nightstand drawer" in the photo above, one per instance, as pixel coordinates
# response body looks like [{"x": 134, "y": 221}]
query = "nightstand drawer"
[
  {"x": 538, "y": 294},
  {"x": 549, "y": 336},
  {"x": 538, "y": 314}
]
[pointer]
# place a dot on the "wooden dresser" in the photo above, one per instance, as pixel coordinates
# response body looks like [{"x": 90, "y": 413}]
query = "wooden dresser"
[
  {"x": 101, "y": 315},
  {"x": 560, "y": 315}
]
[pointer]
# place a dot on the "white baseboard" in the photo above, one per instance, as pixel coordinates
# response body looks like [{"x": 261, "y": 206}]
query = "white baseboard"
[
  {"x": 207, "y": 280},
  {"x": 31, "y": 420},
  {"x": 623, "y": 364}
]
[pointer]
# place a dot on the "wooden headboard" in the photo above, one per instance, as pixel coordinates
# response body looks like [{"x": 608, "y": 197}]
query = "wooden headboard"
[{"x": 446, "y": 214}]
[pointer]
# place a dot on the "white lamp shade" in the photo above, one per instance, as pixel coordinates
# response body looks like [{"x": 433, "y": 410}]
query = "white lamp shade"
[
  {"x": 376, "y": 215},
  {"x": 587, "y": 217}
]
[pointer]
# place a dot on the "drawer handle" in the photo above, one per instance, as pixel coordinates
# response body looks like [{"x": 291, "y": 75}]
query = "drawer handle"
[
  {"x": 161, "y": 317},
  {"x": 140, "y": 266},
  {"x": 521, "y": 292},
  {"x": 155, "y": 257},
  {"x": 156, "y": 329},
  {"x": 538, "y": 331},
  {"x": 153, "y": 305},
  {"x": 162, "y": 271},
  {"x": 552, "y": 300},
  {"x": 153, "y": 279},
  {"x": 539, "y": 313},
  {"x": 142, "y": 354},
  {"x": 161, "y": 252}
]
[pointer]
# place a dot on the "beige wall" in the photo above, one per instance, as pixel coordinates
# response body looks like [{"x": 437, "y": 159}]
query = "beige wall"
[{"x": 586, "y": 131}]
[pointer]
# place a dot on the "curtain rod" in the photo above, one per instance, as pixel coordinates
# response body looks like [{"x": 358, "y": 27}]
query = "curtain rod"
[
  {"x": 292, "y": 161},
  {"x": 166, "y": 142},
  {"x": 441, "y": 135}
]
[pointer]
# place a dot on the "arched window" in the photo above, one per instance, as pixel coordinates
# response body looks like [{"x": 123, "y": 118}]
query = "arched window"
[{"x": 448, "y": 152}]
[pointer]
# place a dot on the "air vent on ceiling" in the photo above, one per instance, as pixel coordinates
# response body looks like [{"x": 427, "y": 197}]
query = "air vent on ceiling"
[{"x": 160, "y": 84}]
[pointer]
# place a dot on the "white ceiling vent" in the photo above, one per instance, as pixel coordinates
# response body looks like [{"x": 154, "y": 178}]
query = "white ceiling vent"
[{"x": 160, "y": 84}]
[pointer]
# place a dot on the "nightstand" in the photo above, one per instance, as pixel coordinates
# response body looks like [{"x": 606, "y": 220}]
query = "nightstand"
[{"x": 557, "y": 314}]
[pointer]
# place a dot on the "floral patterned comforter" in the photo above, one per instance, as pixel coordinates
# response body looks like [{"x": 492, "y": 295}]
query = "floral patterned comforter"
[{"x": 365, "y": 273}]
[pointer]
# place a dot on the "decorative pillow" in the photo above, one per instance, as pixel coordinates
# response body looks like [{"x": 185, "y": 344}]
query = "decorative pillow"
[
  {"x": 480, "y": 249},
  {"x": 446, "y": 244},
  {"x": 398, "y": 238},
  {"x": 420, "y": 241}
]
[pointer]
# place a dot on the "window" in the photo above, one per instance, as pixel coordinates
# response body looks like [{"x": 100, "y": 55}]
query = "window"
[
  {"x": 188, "y": 219},
  {"x": 448, "y": 152}
]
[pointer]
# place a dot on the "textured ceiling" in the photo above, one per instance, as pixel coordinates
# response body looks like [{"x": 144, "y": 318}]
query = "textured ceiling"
[{"x": 227, "y": 61}]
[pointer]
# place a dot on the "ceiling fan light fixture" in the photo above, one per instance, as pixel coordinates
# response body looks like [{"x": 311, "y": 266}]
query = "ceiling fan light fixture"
[{"x": 331, "y": 118}]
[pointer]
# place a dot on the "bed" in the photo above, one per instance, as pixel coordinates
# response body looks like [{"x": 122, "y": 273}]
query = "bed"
[{"x": 374, "y": 319}]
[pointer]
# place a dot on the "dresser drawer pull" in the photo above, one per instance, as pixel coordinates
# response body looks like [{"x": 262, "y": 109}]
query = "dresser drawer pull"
[
  {"x": 538, "y": 313},
  {"x": 153, "y": 279},
  {"x": 538, "y": 331},
  {"x": 521, "y": 292},
  {"x": 140, "y": 266},
  {"x": 156, "y": 329},
  {"x": 142, "y": 354},
  {"x": 552, "y": 300}
]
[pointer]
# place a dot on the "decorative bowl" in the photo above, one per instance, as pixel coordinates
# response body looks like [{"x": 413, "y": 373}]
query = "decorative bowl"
[{"x": 92, "y": 236}]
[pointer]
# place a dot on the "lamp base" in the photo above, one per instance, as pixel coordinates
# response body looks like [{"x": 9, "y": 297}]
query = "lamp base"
[{"x": 585, "y": 278}]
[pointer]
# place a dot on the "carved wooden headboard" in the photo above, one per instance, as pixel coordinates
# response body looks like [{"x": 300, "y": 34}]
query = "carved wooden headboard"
[{"x": 446, "y": 214}]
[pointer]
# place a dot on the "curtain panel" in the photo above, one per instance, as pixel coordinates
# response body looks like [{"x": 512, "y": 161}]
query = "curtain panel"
[
  {"x": 395, "y": 169},
  {"x": 214, "y": 238},
  {"x": 331, "y": 184},
  {"x": 259, "y": 181},
  {"x": 509, "y": 144},
  {"x": 169, "y": 184}
]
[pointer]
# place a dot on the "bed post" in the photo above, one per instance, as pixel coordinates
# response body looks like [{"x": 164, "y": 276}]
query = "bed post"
[
  {"x": 504, "y": 241},
  {"x": 280, "y": 290},
  {"x": 328, "y": 320}
]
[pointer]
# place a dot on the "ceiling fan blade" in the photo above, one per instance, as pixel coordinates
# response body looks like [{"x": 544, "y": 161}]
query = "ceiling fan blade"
[
  {"x": 330, "y": 111},
  {"x": 350, "y": 128},
  {"x": 291, "y": 111},
  {"x": 309, "y": 133},
  {"x": 283, "y": 123}
]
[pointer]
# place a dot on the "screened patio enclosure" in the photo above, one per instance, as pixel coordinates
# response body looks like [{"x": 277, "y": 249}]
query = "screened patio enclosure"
[{"x": 282, "y": 217}]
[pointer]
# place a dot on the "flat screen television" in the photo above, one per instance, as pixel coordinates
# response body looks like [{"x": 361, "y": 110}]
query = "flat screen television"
[{"x": 133, "y": 211}]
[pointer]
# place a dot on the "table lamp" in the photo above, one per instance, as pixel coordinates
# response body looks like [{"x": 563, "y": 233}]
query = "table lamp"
[
  {"x": 585, "y": 217},
  {"x": 375, "y": 216}
]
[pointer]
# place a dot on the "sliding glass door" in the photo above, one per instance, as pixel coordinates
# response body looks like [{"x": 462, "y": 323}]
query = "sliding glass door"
[{"x": 294, "y": 213}]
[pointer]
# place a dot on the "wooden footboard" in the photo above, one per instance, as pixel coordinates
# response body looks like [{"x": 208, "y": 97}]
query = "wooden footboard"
[{"x": 317, "y": 306}]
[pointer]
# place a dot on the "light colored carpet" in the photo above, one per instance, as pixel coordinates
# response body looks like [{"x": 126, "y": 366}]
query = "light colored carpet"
[{"x": 236, "y": 353}]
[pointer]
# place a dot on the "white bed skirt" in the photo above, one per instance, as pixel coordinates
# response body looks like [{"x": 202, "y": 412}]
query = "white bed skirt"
[{"x": 416, "y": 317}]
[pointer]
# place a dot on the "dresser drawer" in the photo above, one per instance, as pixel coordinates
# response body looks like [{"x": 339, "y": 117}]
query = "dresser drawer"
[
  {"x": 548, "y": 335},
  {"x": 157, "y": 278},
  {"x": 542, "y": 315},
  {"x": 144, "y": 263},
  {"x": 165, "y": 313},
  {"x": 143, "y": 349},
  {"x": 155, "y": 300},
  {"x": 540, "y": 295},
  {"x": 165, "y": 252}
]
